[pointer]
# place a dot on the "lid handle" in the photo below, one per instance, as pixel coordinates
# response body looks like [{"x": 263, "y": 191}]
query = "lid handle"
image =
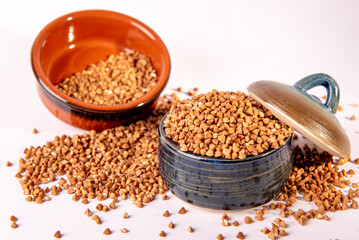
[{"x": 321, "y": 79}]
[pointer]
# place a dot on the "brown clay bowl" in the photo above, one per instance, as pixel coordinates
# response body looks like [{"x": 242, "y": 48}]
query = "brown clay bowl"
[{"x": 72, "y": 42}]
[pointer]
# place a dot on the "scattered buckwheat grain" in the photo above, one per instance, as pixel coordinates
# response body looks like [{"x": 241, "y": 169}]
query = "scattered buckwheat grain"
[
  {"x": 107, "y": 231},
  {"x": 138, "y": 204},
  {"x": 275, "y": 228},
  {"x": 112, "y": 205},
  {"x": 99, "y": 207},
  {"x": 271, "y": 235},
  {"x": 248, "y": 220},
  {"x": 240, "y": 236},
  {"x": 282, "y": 233},
  {"x": 162, "y": 234},
  {"x": 354, "y": 204},
  {"x": 164, "y": 196},
  {"x": 225, "y": 223},
  {"x": 57, "y": 234},
  {"x": 88, "y": 212},
  {"x": 166, "y": 213},
  {"x": 105, "y": 208},
  {"x": 225, "y": 216},
  {"x": 259, "y": 217},
  {"x": 75, "y": 197},
  {"x": 182, "y": 210},
  {"x": 265, "y": 230},
  {"x": 14, "y": 225}
]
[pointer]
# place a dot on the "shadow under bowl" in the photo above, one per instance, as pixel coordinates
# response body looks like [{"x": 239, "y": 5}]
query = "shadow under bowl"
[
  {"x": 220, "y": 183},
  {"x": 72, "y": 42}
]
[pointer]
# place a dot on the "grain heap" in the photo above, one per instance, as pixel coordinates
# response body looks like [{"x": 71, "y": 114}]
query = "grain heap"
[
  {"x": 119, "y": 162},
  {"x": 224, "y": 124},
  {"x": 119, "y": 79},
  {"x": 317, "y": 178}
]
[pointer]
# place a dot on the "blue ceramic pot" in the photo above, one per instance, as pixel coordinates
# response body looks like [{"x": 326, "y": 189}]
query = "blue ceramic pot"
[{"x": 220, "y": 183}]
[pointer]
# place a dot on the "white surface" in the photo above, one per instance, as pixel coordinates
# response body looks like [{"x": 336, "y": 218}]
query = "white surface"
[{"x": 224, "y": 45}]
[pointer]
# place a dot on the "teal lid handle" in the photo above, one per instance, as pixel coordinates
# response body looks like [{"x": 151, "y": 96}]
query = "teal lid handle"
[{"x": 321, "y": 79}]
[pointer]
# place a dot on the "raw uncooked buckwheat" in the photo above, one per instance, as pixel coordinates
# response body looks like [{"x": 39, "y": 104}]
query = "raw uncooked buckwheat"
[
  {"x": 119, "y": 79},
  {"x": 224, "y": 124},
  {"x": 118, "y": 162}
]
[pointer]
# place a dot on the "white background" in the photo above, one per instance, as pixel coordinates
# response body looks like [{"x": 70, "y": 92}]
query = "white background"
[{"x": 213, "y": 44}]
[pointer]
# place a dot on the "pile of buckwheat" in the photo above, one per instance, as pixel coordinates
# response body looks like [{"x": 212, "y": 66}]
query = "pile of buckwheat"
[
  {"x": 317, "y": 178},
  {"x": 121, "y": 78},
  {"x": 118, "y": 162},
  {"x": 224, "y": 124}
]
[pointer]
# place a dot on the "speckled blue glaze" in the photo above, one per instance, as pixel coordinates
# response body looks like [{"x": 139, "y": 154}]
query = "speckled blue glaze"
[{"x": 219, "y": 183}]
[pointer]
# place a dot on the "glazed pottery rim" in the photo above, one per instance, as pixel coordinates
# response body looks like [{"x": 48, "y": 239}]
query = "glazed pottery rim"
[
  {"x": 48, "y": 86},
  {"x": 202, "y": 158}
]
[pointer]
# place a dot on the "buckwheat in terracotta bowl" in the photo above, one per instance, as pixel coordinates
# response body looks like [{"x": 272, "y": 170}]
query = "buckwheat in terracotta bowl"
[{"x": 71, "y": 43}]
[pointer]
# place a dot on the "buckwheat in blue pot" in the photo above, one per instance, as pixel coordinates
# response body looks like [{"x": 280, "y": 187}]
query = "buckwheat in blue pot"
[
  {"x": 223, "y": 183},
  {"x": 220, "y": 183}
]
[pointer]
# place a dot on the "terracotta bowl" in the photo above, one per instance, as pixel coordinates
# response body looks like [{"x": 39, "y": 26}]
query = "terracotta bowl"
[
  {"x": 71, "y": 43},
  {"x": 220, "y": 183}
]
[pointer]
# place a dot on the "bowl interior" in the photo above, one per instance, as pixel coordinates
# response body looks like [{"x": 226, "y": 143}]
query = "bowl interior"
[{"x": 72, "y": 42}]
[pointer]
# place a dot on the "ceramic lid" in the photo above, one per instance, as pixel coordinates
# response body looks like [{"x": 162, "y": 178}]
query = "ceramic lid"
[{"x": 306, "y": 113}]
